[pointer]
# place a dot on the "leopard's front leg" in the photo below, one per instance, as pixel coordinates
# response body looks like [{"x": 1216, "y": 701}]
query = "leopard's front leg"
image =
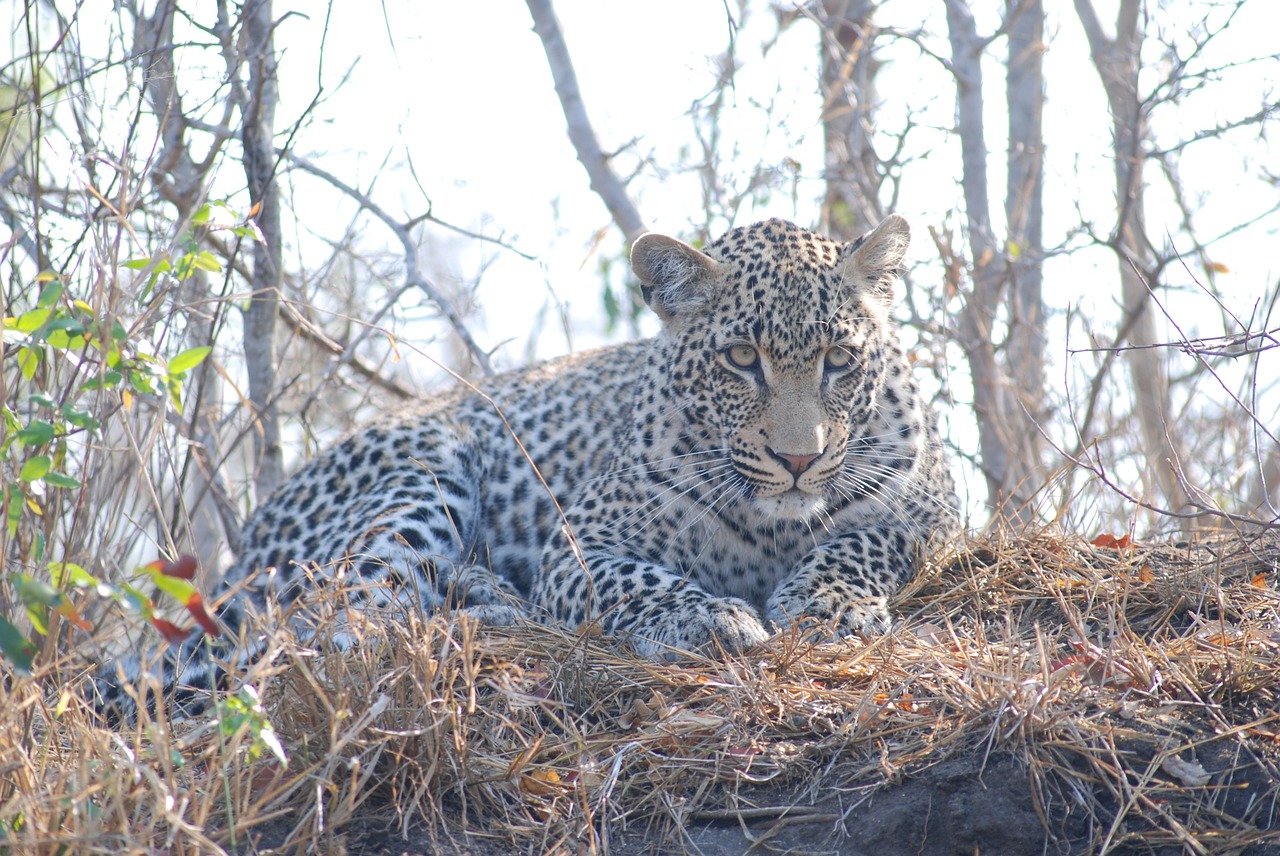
[
  {"x": 845, "y": 583},
  {"x": 659, "y": 613}
]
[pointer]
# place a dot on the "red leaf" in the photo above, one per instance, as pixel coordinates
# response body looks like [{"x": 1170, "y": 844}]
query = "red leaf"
[
  {"x": 67, "y": 610},
  {"x": 184, "y": 568},
  {"x": 1112, "y": 541},
  {"x": 172, "y": 633},
  {"x": 195, "y": 606}
]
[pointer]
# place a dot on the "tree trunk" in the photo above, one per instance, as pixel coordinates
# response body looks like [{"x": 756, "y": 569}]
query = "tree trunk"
[
  {"x": 1024, "y": 215},
  {"x": 260, "y": 319},
  {"x": 1007, "y": 436},
  {"x": 1117, "y": 61},
  {"x": 852, "y": 204}
]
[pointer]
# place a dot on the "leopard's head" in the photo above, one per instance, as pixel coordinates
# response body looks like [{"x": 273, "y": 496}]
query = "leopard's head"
[{"x": 776, "y": 349}]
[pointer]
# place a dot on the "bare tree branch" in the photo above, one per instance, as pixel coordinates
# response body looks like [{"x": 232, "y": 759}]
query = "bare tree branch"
[
  {"x": 302, "y": 326},
  {"x": 413, "y": 270},
  {"x": 1024, "y": 359},
  {"x": 1201, "y": 508},
  {"x": 1116, "y": 60},
  {"x": 1268, "y": 111},
  {"x": 851, "y": 205},
  {"x": 581, "y": 134}
]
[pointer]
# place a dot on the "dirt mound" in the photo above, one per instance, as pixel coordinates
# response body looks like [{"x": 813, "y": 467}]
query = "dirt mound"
[{"x": 1040, "y": 696}]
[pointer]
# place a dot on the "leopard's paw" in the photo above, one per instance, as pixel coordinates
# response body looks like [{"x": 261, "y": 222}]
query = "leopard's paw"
[
  {"x": 698, "y": 624},
  {"x": 831, "y": 619}
]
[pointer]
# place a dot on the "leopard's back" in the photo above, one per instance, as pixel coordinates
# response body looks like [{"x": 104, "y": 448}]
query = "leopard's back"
[{"x": 519, "y": 444}]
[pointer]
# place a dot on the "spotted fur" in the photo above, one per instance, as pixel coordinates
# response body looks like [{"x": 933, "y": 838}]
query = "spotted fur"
[{"x": 766, "y": 459}]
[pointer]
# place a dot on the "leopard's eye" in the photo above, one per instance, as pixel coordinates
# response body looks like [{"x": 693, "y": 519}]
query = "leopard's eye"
[
  {"x": 838, "y": 358},
  {"x": 743, "y": 356}
]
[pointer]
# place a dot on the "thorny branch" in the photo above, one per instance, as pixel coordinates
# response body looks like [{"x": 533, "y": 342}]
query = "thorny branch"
[{"x": 1197, "y": 498}]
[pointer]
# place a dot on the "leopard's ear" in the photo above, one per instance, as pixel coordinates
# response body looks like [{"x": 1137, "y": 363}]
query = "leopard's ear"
[
  {"x": 674, "y": 277},
  {"x": 874, "y": 261}
]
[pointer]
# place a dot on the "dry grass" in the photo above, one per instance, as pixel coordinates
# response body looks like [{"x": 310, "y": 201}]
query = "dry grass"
[{"x": 1138, "y": 687}]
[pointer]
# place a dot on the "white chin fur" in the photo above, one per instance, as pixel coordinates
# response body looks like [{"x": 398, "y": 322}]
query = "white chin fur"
[{"x": 792, "y": 505}]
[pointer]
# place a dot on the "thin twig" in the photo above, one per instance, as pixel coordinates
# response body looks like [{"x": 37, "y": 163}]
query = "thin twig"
[{"x": 413, "y": 270}]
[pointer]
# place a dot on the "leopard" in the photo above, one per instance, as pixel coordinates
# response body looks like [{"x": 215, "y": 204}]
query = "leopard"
[{"x": 766, "y": 461}]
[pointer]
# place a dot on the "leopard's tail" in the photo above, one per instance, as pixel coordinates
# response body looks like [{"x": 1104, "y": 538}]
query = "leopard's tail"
[{"x": 180, "y": 680}]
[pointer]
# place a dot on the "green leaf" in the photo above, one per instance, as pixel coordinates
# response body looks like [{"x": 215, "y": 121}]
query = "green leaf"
[
  {"x": 49, "y": 296},
  {"x": 61, "y": 480},
  {"x": 80, "y": 418},
  {"x": 11, "y": 423},
  {"x": 131, "y": 598},
  {"x": 38, "y": 597},
  {"x": 108, "y": 380},
  {"x": 62, "y": 342},
  {"x": 143, "y": 382},
  {"x": 66, "y": 574},
  {"x": 206, "y": 260},
  {"x": 66, "y": 334},
  {"x": 243, "y": 710},
  {"x": 188, "y": 359},
  {"x": 202, "y": 215},
  {"x": 611, "y": 310},
  {"x": 35, "y": 468},
  {"x": 13, "y": 511},
  {"x": 41, "y": 399},
  {"x": 136, "y": 264},
  {"x": 175, "y": 587},
  {"x": 28, "y": 362},
  {"x": 251, "y": 231},
  {"x": 37, "y": 433},
  {"x": 63, "y": 321},
  {"x": 17, "y": 649},
  {"x": 174, "y": 385},
  {"x": 34, "y": 592},
  {"x": 29, "y": 322}
]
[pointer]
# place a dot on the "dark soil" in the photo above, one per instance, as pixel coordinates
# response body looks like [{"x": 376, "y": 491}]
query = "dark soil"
[{"x": 967, "y": 805}]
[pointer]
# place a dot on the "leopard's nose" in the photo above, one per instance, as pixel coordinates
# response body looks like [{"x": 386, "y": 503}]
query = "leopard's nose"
[{"x": 796, "y": 464}]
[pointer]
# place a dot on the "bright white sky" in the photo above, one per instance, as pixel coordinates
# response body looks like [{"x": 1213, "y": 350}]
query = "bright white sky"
[
  {"x": 469, "y": 98},
  {"x": 463, "y": 91},
  {"x": 467, "y": 95}
]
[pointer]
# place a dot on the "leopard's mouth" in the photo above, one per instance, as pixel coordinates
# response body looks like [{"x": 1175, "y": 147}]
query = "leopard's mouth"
[{"x": 791, "y": 504}]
